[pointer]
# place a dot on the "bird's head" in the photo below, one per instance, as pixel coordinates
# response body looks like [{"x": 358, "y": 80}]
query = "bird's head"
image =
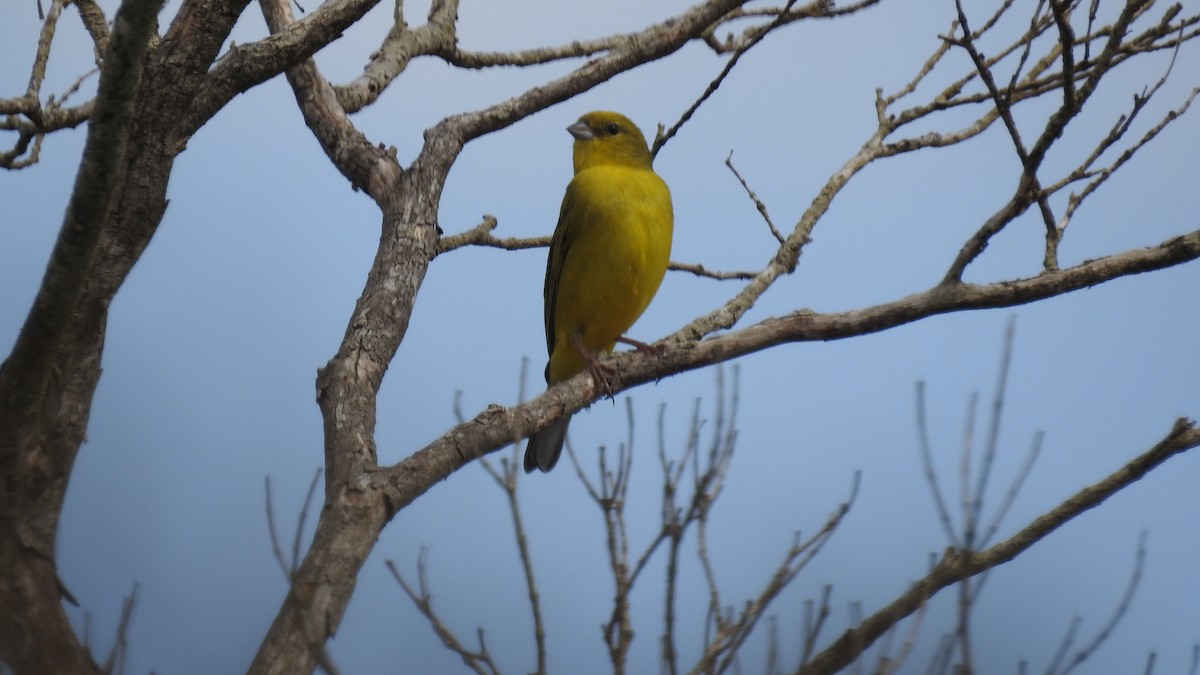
[{"x": 611, "y": 138}]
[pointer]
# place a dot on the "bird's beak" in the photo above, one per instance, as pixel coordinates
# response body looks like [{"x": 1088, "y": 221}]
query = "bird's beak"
[{"x": 580, "y": 131}]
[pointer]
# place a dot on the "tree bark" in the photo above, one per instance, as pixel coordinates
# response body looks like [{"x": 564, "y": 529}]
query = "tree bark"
[{"x": 48, "y": 381}]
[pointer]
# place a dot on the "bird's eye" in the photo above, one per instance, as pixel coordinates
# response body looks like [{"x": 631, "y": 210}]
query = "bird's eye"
[{"x": 613, "y": 129}]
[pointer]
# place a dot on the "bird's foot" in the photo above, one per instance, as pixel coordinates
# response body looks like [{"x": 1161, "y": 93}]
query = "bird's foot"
[{"x": 600, "y": 375}]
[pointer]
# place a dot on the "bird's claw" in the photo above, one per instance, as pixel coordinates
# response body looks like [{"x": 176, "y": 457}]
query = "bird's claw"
[{"x": 600, "y": 375}]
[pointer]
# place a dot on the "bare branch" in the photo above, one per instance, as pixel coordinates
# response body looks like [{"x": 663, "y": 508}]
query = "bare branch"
[
  {"x": 1065, "y": 645},
  {"x": 495, "y": 426},
  {"x": 300, "y": 518},
  {"x": 367, "y": 166},
  {"x": 48, "y": 379},
  {"x": 479, "y": 661},
  {"x": 930, "y": 471},
  {"x": 1079, "y": 77},
  {"x": 1076, "y": 200},
  {"x": 507, "y": 478},
  {"x": 1010, "y": 496},
  {"x": 289, "y": 567},
  {"x": 818, "y": 9},
  {"x": 662, "y": 137},
  {"x": 1029, "y": 188},
  {"x": 723, "y": 646},
  {"x": 993, "y": 436},
  {"x": 248, "y": 65},
  {"x": 481, "y": 235},
  {"x": 95, "y": 23},
  {"x": 275, "y": 547},
  {"x": 762, "y": 208},
  {"x": 1066, "y": 38},
  {"x": 1122, "y": 608},
  {"x": 955, "y": 566},
  {"x": 814, "y": 621},
  {"x": 534, "y": 57},
  {"x": 702, "y": 271},
  {"x": 43, "y": 50},
  {"x": 115, "y": 663},
  {"x": 893, "y": 663},
  {"x": 107, "y": 138}
]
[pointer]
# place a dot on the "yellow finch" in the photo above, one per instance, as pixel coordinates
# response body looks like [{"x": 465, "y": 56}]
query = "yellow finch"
[{"x": 607, "y": 258}]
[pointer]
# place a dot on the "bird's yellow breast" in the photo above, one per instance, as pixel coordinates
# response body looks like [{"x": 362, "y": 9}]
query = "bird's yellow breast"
[{"x": 614, "y": 240}]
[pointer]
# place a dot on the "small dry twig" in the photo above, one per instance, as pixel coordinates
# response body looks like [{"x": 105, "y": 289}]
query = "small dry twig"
[
  {"x": 762, "y": 208},
  {"x": 1106, "y": 629},
  {"x": 956, "y": 565},
  {"x": 289, "y": 567},
  {"x": 662, "y": 137},
  {"x": 507, "y": 478},
  {"x": 479, "y": 660},
  {"x": 115, "y": 663}
]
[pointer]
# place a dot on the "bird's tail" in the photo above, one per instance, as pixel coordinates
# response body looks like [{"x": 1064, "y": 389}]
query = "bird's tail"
[{"x": 545, "y": 446}]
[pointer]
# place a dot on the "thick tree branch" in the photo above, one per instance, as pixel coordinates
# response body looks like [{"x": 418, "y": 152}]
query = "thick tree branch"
[
  {"x": 496, "y": 426},
  {"x": 367, "y": 166},
  {"x": 348, "y": 384},
  {"x": 48, "y": 382},
  {"x": 23, "y": 381},
  {"x": 655, "y": 42},
  {"x": 246, "y": 66},
  {"x": 35, "y": 635}
]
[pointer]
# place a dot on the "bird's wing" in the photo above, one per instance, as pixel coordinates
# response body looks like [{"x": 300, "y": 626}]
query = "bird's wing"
[{"x": 559, "y": 246}]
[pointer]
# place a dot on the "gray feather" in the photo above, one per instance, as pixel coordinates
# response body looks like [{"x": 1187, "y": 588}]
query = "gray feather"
[{"x": 545, "y": 446}]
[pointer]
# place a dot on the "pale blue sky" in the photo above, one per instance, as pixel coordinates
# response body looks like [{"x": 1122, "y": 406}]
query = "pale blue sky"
[{"x": 214, "y": 341}]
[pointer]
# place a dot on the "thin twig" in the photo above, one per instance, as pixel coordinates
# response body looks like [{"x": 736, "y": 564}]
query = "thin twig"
[
  {"x": 1065, "y": 645},
  {"x": 662, "y": 137},
  {"x": 814, "y": 622},
  {"x": 1122, "y": 608},
  {"x": 927, "y": 464},
  {"x": 115, "y": 663},
  {"x": 721, "y": 650},
  {"x": 910, "y": 642},
  {"x": 953, "y": 567},
  {"x": 301, "y": 517},
  {"x": 762, "y": 208},
  {"x": 481, "y": 235},
  {"x": 701, "y": 271},
  {"x": 271, "y": 529},
  {"x": 1010, "y": 496},
  {"x": 993, "y": 437},
  {"x": 479, "y": 661}
]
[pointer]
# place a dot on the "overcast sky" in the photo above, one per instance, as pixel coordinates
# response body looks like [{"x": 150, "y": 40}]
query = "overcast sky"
[{"x": 214, "y": 341}]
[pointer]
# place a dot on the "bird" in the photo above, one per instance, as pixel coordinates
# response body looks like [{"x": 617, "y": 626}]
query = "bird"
[{"x": 607, "y": 258}]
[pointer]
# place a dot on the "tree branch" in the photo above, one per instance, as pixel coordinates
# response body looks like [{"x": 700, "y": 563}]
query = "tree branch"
[
  {"x": 955, "y": 566},
  {"x": 252, "y": 64},
  {"x": 495, "y": 426},
  {"x": 37, "y": 449}
]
